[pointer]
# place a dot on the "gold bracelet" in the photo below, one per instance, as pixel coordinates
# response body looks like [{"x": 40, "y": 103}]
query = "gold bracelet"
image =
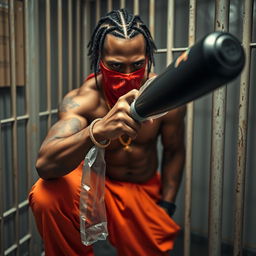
[{"x": 92, "y": 137}]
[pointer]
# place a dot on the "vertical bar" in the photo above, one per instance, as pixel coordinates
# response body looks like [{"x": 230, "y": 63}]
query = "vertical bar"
[
  {"x": 32, "y": 85},
  {"x": 86, "y": 15},
  {"x": 48, "y": 60},
  {"x": 70, "y": 46},
  {"x": 217, "y": 148},
  {"x": 170, "y": 31},
  {"x": 78, "y": 43},
  {"x": 122, "y": 4},
  {"x": 14, "y": 115},
  {"x": 60, "y": 55},
  {"x": 97, "y": 10},
  {"x": 136, "y": 7},
  {"x": 242, "y": 130},
  {"x": 189, "y": 141},
  {"x": 152, "y": 17},
  {"x": 1, "y": 197},
  {"x": 110, "y": 5}
]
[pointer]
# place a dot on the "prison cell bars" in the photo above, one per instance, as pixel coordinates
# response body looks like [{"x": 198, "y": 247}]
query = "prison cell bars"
[
  {"x": 242, "y": 130},
  {"x": 13, "y": 121}
]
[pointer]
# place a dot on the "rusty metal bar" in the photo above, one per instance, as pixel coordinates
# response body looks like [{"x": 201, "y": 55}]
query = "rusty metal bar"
[
  {"x": 136, "y": 7},
  {"x": 70, "y": 46},
  {"x": 122, "y": 3},
  {"x": 60, "y": 55},
  {"x": 32, "y": 85},
  {"x": 48, "y": 59},
  {"x": 217, "y": 146},
  {"x": 110, "y": 5},
  {"x": 242, "y": 130},
  {"x": 170, "y": 31},
  {"x": 78, "y": 43},
  {"x": 1, "y": 197},
  {"x": 14, "y": 115},
  {"x": 189, "y": 141}
]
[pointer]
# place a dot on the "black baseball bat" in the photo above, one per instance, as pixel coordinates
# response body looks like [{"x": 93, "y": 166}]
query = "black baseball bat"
[{"x": 212, "y": 62}]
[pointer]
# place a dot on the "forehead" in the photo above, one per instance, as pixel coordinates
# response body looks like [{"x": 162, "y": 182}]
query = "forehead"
[{"x": 116, "y": 46}]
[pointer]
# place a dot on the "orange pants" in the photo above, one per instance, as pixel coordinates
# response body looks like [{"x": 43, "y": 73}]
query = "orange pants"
[{"x": 137, "y": 225}]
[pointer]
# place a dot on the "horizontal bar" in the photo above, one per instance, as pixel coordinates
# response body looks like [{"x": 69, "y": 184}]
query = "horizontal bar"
[
  {"x": 14, "y": 246},
  {"x": 45, "y": 113},
  {"x": 14, "y": 209},
  {"x": 253, "y": 45},
  {"x": 164, "y": 50},
  {"x": 13, "y": 119}
]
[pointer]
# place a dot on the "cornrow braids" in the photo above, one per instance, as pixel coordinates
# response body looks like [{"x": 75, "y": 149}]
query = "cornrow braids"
[{"x": 122, "y": 24}]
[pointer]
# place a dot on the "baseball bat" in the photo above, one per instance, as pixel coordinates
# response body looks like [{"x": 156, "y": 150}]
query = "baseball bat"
[{"x": 212, "y": 62}]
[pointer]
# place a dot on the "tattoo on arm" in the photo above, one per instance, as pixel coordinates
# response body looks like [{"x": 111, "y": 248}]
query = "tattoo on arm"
[
  {"x": 67, "y": 104},
  {"x": 64, "y": 128}
]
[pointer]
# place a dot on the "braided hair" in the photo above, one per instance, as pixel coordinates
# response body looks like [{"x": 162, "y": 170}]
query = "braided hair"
[{"x": 122, "y": 24}]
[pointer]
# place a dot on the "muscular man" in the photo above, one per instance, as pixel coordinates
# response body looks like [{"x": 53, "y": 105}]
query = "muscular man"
[{"x": 138, "y": 201}]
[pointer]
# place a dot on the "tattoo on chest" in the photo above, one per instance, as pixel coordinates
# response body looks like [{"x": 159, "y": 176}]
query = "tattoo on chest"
[{"x": 67, "y": 104}]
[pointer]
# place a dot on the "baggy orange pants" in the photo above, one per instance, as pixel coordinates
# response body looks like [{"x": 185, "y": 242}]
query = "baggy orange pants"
[{"x": 137, "y": 225}]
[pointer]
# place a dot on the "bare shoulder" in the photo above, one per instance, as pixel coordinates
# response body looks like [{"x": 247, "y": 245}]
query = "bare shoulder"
[{"x": 82, "y": 101}]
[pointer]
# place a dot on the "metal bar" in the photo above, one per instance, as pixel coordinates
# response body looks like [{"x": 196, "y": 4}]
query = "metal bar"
[
  {"x": 14, "y": 209},
  {"x": 48, "y": 59},
  {"x": 60, "y": 55},
  {"x": 253, "y": 45},
  {"x": 15, "y": 174},
  {"x": 152, "y": 17},
  {"x": 217, "y": 146},
  {"x": 86, "y": 15},
  {"x": 1, "y": 196},
  {"x": 70, "y": 46},
  {"x": 242, "y": 130},
  {"x": 122, "y": 3},
  {"x": 110, "y": 5},
  {"x": 182, "y": 49},
  {"x": 12, "y": 119},
  {"x": 170, "y": 31},
  {"x": 97, "y": 10},
  {"x": 32, "y": 83},
  {"x": 15, "y": 246},
  {"x": 189, "y": 142},
  {"x": 78, "y": 43},
  {"x": 136, "y": 7},
  {"x": 45, "y": 113}
]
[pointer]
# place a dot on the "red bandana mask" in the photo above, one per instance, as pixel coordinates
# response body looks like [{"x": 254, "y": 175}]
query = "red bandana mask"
[{"x": 116, "y": 84}]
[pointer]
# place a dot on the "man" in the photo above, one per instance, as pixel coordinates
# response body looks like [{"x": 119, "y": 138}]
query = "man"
[{"x": 138, "y": 202}]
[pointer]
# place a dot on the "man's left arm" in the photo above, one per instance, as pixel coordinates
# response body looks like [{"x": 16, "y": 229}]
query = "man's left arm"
[{"x": 172, "y": 134}]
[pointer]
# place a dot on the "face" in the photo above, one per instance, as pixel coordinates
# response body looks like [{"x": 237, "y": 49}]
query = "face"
[{"x": 124, "y": 55}]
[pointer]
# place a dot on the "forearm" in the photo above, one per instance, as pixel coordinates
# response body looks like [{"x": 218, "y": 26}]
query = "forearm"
[
  {"x": 60, "y": 155},
  {"x": 172, "y": 170}
]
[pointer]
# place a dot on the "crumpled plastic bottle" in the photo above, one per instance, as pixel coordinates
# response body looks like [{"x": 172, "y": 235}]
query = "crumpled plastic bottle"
[{"x": 93, "y": 219}]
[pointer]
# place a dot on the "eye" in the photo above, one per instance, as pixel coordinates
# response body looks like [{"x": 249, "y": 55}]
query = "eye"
[
  {"x": 115, "y": 66},
  {"x": 139, "y": 64}
]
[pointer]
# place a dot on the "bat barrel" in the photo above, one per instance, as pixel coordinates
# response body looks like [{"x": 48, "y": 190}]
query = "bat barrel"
[{"x": 215, "y": 60}]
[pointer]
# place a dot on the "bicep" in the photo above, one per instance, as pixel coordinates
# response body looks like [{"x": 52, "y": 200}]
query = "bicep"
[{"x": 66, "y": 126}]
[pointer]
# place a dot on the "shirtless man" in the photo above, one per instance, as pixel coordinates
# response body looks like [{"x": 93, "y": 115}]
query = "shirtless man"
[{"x": 125, "y": 51}]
